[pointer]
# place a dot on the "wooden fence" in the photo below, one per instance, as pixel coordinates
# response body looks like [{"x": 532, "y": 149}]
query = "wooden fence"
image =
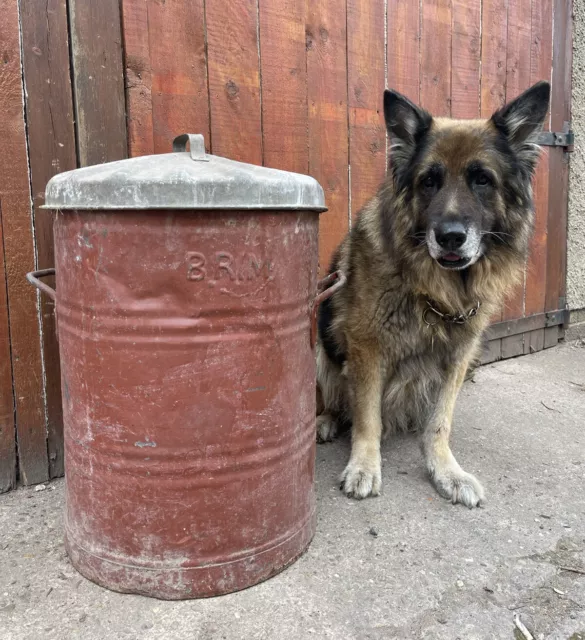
[{"x": 292, "y": 84}]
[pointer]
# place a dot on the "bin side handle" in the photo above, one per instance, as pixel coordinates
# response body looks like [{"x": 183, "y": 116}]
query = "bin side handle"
[
  {"x": 328, "y": 286},
  {"x": 33, "y": 278}
]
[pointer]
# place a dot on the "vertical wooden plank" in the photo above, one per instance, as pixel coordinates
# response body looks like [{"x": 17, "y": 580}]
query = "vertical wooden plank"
[
  {"x": 328, "y": 131},
  {"x": 465, "y": 59},
  {"x": 284, "y": 84},
  {"x": 96, "y": 48},
  {"x": 494, "y": 27},
  {"x": 493, "y": 55},
  {"x": 536, "y": 267},
  {"x": 366, "y": 70},
  {"x": 435, "y": 84},
  {"x": 551, "y": 337},
  {"x": 7, "y": 433},
  {"x": 404, "y": 48},
  {"x": 518, "y": 51},
  {"x": 512, "y": 346},
  {"x": 518, "y": 79},
  {"x": 180, "y": 96},
  {"x": 138, "y": 77},
  {"x": 15, "y": 205},
  {"x": 492, "y": 352},
  {"x": 534, "y": 341},
  {"x": 559, "y": 170},
  {"x": 234, "y": 79},
  {"x": 51, "y": 140}
]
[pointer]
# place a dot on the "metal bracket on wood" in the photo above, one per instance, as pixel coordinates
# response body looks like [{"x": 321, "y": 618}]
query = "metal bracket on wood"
[
  {"x": 554, "y": 318},
  {"x": 565, "y": 138}
]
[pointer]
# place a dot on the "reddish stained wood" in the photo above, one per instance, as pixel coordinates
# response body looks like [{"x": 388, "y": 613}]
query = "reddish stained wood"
[
  {"x": 180, "y": 96},
  {"x": 518, "y": 63},
  {"x": 559, "y": 170},
  {"x": 404, "y": 48},
  {"x": 366, "y": 83},
  {"x": 138, "y": 78},
  {"x": 7, "y": 433},
  {"x": 328, "y": 131},
  {"x": 465, "y": 62},
  {"x": 540, "y": 68},
  {"x": 51, "y": 140},
  {"x": 517, "y": 80},
  {"x": 234, "y": 80},
  {"x": 96, "y": 53},
  {"x": 494, "y": 21},
  {"x": 284, "y": 84},
  {"x": 493, "y": 56},
  {"x": 435, "y": 83},
  {"x": 19, "y": 257}
]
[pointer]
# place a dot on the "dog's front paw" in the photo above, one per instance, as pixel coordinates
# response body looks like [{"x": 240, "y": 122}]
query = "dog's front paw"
[
  {"x": 458, "y": 486},
  {"x": 362, "y": 477},
  {"x": 326, "y": 428}
]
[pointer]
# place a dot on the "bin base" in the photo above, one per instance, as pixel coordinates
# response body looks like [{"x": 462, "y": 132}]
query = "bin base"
[{"x": 183, "y": 583}]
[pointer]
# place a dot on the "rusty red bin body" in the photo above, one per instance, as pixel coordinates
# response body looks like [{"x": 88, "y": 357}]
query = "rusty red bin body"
[{"x": 184, "y": 289}]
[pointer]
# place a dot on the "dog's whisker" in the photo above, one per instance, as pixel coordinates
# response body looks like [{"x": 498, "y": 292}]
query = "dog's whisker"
[
  {"x": 421, "y": 238},
  {"x": 499, "y": 235},
  {"x": 496, "y": 233}
]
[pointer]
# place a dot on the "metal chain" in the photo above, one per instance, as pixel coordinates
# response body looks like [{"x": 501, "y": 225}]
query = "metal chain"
[{"x": 459, "y": 318}]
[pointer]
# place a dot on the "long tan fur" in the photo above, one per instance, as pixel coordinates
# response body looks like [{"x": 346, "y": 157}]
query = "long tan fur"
[{"x": 389, "y": 357}]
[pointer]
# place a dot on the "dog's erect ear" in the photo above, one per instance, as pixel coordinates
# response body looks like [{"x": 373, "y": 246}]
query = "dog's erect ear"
[
  {"x": 521, "y": 119},
  {"x": 406, "y": 124}
]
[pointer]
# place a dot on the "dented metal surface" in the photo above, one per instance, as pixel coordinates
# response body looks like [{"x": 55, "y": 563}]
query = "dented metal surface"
[
  {"x": 189, "y": 401},
  {"x": 183, "y": 180}
]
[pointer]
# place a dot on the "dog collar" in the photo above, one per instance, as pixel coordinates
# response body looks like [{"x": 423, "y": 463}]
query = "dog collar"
[{"x": 459, "y": 318}]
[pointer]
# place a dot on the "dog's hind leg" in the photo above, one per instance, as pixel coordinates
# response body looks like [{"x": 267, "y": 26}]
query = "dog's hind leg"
[
  {"x": 447, "y": 476},
  {"x": 326, "y": 427},
  {"x": 329, "y": 396}
]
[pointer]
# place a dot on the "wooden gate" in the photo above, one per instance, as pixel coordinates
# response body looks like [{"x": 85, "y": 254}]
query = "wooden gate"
[{"x": 292, "y": 84}]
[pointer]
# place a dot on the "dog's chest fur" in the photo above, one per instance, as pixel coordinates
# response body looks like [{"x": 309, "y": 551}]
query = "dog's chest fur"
[{"x": 417, "y": 357}]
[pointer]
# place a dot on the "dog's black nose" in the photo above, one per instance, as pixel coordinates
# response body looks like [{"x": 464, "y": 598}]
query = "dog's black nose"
[{"x": 450, "y": 234}]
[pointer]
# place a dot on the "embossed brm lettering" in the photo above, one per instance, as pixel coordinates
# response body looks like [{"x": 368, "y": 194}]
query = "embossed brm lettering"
[
  {"x": 222, "y": 266},
  {"x": 196, "y": 266}
]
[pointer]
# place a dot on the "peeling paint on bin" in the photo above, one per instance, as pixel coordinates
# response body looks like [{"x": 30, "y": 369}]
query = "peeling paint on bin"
[{"x": 190, "y": 384}]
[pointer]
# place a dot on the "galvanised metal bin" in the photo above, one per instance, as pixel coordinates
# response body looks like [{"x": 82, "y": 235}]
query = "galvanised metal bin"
[{"x": 186, "y": 290}]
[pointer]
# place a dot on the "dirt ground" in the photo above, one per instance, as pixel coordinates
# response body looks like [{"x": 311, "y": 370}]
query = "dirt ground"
[{"x": 404, "y": 565}]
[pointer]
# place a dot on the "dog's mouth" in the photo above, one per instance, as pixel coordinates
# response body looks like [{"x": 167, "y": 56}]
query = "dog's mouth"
[
  {"x": 458, "y": 258},
  {"x": 453, "y": 261}
]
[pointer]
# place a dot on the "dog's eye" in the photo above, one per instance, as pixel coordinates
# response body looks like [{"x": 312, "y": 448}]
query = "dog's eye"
[
  {"x": 429, "y": 182},
  {"x": 481, "y": 180}
]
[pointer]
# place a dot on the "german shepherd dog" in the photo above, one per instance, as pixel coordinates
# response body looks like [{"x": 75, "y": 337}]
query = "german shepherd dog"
[{"x": 428, "y": 262}]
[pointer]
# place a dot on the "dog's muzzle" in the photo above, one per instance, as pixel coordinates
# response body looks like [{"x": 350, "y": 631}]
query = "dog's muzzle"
[{"x": 453, "y": 245}]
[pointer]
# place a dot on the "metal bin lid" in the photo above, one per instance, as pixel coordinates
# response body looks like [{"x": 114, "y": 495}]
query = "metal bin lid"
[{"x": 182, "y": 180}]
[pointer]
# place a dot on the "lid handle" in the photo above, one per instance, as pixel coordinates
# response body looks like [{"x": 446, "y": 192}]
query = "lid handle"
[{"x": 196, "y": 145}]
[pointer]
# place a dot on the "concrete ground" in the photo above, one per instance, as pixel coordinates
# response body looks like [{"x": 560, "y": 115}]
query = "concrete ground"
[{"x": 433, "y": 570}]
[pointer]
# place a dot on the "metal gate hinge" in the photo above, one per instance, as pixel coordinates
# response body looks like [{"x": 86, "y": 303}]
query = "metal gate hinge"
[{"x": 564, "y": 138}]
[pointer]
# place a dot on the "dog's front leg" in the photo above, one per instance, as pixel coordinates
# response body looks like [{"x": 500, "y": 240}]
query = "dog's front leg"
[
  {"x": 363, "y": 475},
  {"x": 447, "y": 476}
]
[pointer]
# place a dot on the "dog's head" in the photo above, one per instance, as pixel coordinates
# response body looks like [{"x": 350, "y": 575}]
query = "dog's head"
[{"x": 466, "y": 183}]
